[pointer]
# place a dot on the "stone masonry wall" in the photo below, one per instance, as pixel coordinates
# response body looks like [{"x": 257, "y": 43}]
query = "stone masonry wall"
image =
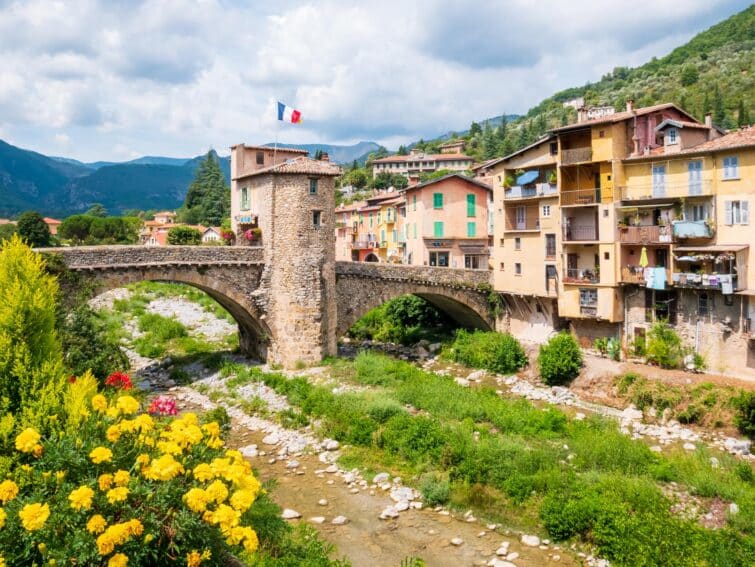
[{"x": 89, "y": 256}]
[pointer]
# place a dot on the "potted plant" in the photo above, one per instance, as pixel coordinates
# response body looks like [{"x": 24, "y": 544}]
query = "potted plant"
[
  {"x": 509, "y": 181},
  {"x": 552, "y": 177}
]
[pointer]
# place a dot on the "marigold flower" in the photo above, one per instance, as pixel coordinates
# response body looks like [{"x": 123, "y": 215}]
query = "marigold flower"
[
  {"x": 203, "y": 472},
  {"x": 60, "y": 475},
  {"x": 214, "y": 442},
  {"x": 163, "y": 468},
  {"x": 2, "y": 561},
  {"x": 100, "y": 455},
  {"x": 144, "y": 422},
  {"x": 96, "y": 524},
  {"x": 121, "y": 477},
  {"x": 99, "y": 403},
  {"x": 212, "y": 429},
  {"x": 113, "y": 433},
  {"x": 113, "y": 412},
  {"x": 196, "y": 499},
  {"x": 193, "y": 559},
  {"x": 242, "y": 500},
  {"x": 27, "y": 440},
  {"x": 8, "y": 491},
  {"x": 37, "y": 450},
  {"x": 81, "y": 498},
  {"x": 105, "y": 481},
  {"x": 34, "y": 516},
  {"x": 118, "y": 494},
  {"x": 116, "y": 534},
  {"x": 217, "y": 491},
  {"x": 148, "y": 538},
  {"x": 169, "y": 448},
  {"x": 127, "y": 404},
  {"x": 142, "y": 459},
  {"x": 225, "y": 517},
  {"x": 118, "y": 560},
  {"x": 3, "y": 516},
  {"x": 251, "y": 543}
]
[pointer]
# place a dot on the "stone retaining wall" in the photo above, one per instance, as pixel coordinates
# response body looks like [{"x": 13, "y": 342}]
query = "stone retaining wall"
[{"x": 77, "y": 257}]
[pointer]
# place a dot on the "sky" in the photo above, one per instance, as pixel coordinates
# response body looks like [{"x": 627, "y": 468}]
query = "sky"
[{"x": 118, "y": 79}]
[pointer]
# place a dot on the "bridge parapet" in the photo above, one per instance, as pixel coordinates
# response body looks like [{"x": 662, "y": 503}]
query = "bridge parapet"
[
  {"x": 427, "y": 275},
  {"x": 104, "y": 257}
]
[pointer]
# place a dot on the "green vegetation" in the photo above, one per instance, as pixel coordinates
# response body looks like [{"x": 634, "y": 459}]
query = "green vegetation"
[
  {"x": 609, "y": 347},
  {"x": 92, "y": 229},
  {"x": 184, "y": 235},
  {"x": 745, "y": 417},
  {"x": 208, "y": 200},
  {"x": 7, "y": 230},
  {"x": 405, "y": 320},
  {"x": 32, "y": 228},
  {"x": 560, "y": 360},
  {"x": 527, "y": 466},
  {"x": 497, "y": 352}
]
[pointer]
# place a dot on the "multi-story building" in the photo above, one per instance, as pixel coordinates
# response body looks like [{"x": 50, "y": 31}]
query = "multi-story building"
[
  {"x": 417, "y": 162},
  {"x": 376, "y": 238},
  {"x": 447, "y": 223},
  {"x": 347, "y": 227}
]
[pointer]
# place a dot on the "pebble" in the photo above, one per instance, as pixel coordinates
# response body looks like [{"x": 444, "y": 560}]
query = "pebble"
[
  {"x": 689, "y": 447},
  {"x": 402, "y": 493},
  {"x": 249, "y": 451},
  {"x": 380, "y": 478},
  {"x": 502, "y": 551},
  {"x": 733, "y": 509},
  {"x": 340, "y": 521},
  {"x": 292, "y": 464},
  {"x": 556, "y": 558},
  {"x": 402, "y": 505},
  {"x": 331, "y": 445},
  {"x": 482, "y": 534},
  {"x": 322, "y": 502},
  {"x": 495, "y": 562},
  {"x": 531, "y": 540},
  {"x": 457, "y": 541},
  {"x": 317, "y": 519},
  {"x": 511, "y": 556},
  {"x": 289, "y": 514},
  {"x": 354, "y": 491},
  {"x": 389, "y": 513},
  {"x": 331, "y": 469},
  {"x": 271, "y": 439}
]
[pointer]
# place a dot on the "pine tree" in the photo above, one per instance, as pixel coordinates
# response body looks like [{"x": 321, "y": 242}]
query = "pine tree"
[
  {"x": 402, "y": 151},
  {"x": 719, "y": 111},
  {"x": 208, "y": 200},
  {"x": 743, "y": 116},
  {"x": 489, "y": 143},
  {"x": 474, "y": 129},
  {"x": 318, "y": 154}
]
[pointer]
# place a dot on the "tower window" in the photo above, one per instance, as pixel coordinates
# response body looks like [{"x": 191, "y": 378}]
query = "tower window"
[
  {"x": 313, "y": 186},
  {"x": 317, "y": 218},
  {"x": 260, "y": 158}
]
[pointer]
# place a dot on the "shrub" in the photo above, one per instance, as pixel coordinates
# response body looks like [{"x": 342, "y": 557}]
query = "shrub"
[
  {"x": 664, "y": 346},
  {"x": 33, "y": 229},
  {"x": 435, "y": 490},
  {"x": 497, "y": 352},
  {"x": 745, "y": 416},
  {"x": 184, "y": 235},
  {"x": 560, "y": 359}
]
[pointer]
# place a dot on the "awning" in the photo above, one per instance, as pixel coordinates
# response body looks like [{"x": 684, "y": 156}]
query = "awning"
[
  {"x": 713, "y": 248},
  {"x": 750, "y": 292},
  {"x": 527, "y": 177},
  {"x": 633, "y": 207},
  {"x": 483, "y": 250}
]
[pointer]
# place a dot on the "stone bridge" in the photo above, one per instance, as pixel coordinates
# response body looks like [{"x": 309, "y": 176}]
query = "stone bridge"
[{"x": 237, "y": 278}]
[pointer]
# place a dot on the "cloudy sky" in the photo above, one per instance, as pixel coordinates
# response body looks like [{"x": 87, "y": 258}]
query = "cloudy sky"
[{"x": 117, "y": 79}]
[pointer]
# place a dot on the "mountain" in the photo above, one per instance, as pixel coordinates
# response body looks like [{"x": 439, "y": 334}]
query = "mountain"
[{"x": 338, "y": 154}]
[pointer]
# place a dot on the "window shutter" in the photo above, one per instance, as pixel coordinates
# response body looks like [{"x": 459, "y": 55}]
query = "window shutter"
[
  {"x": 745, "y": 207},
  {"x": 471, "y": 205},
  {"x": 729, "y": 217}
]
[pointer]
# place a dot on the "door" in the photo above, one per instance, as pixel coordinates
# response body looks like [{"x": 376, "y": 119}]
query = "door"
[
  {"x": 659, "y": 181},
  {"x": 571, "y": 266},
  {"x": 521, "y": 218},
  {"x": 695, "y": 177}
]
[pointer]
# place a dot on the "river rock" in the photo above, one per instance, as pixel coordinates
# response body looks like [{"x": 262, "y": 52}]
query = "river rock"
[
  {"x": 457, "y": 541},
  {"x": 400, "y": 493},
  {"x": 380, "y": 478},
  {"x": 434, "y": 347},
  {"x": 348, "y": 478},
  {"x": 332, "y": 469},
  {"x": 631, "y": 414},
  {"x": 340, "y": 521},
  {"x": 530, "y": 540},
  {"x": 271, "y": 439},
  {"x": 296, "y": 445},
  {"x": 292, "y": 464},
  {"x": 495, "y": 562},
  {"x": 733, "y": 509},
  {"x": 331, "y": 445},
  {"x": 250, "y": 451},
  {"x": 511, "y": 556},
  {"x": 502, "y": 551},
  {"x": 389, "y": 513},
  {"x": 322, "y": 502},
  {"x": 476, "y": 375},
  {"x": 289, "y": 514},
  {"x": 402, "y": 505},
  {"x": 317, "y": 519},
  {"x": 689, "y": 447}
]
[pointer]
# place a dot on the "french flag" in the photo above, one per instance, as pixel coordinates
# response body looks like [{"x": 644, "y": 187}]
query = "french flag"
[{"x": 288, "y": 114}]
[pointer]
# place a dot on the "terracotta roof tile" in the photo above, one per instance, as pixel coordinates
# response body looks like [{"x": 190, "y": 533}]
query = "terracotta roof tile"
[
  {"x": 742, "y": 138},
  {"x": 424, "y": 157},
  {"x": 620, "y": 116},
  {"x": 303, "y": 165}
]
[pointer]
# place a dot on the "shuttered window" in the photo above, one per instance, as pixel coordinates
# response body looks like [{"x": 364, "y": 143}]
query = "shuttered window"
[
  {"x": 438, "y": 229},
  {"x": 471, "y": 229},
  {"x": 731, "y": 167},
  {"x": 471, "y": 209},
  {"x": 437, "y": 200},
  {"x": 737, "y": 212}
]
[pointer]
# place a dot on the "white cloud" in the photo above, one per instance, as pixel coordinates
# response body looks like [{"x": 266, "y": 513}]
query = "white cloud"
[{"x": 174, "y": 77}]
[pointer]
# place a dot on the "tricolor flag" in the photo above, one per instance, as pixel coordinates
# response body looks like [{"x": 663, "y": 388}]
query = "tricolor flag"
[{"x": 288, "y": 114}]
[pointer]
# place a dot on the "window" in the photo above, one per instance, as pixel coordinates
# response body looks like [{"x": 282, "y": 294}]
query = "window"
[
  {"x": 439, "y": 259},
  {"x": 245, "y": 198},
  {"x": 260, "y": 158},
  {"x": 501, "y": 266},
  {"x": 554, "y": 148},
  {"x": 737, "y": 212},
  {"x": 517, "y": 243},
  {"x": 414, "y": 203},
  {"x": 471, "y": 229},
  {"x": 437, "y": 200},
  {"x": 501, "y": 241},
  {"x": 313, "y": 186},
  {"x": 471, "y": 212},
  {"x": 472, "y": 261},
  {"x": 602, "y": 134},
  {"x": 606, "y": 255},
  {"x": 698, "y": 212},
  {"x": 588, "y": 302},
  {"x": 394, "y": 235},
  {"x": 671, "y": 136},
  {"x": 605, "y": 213},
  {"x": 317, "y": 218},
  {"x": 731, "y": 167},
  {"x": 550, "y": 245},
  {"x": 415, "y": 230},
  {"x": 370, "y": 220},
  {"x": 438, "y": 229},
  {"x": 703, "y": 304},
  {"x": 546, "y": 210},
  {"x": 517, "y": 269}
]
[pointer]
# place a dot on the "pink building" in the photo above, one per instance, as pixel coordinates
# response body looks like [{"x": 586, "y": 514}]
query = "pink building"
[
  {"x": 347, "y": 226},
  {"x": 448, "y": 223}
]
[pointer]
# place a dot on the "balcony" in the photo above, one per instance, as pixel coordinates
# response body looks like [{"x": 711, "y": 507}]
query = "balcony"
[
  {"x": 580, "y": 233},
  {"x": 703, "y": 281},
  {"x": 636, "y": 275},
  {"x": 581, "y": 276},
  {"x": 666, "y": 190},
  {"x": 362, "y": 245},
  {"x": 649, "y": 234},
  {"x": 589, "y": 196},
  {"x": 576, "y": 155},
  {"x": 522, "y": 218},
  {"x": 531, "y": 191},
  {"x": 692, "y": 229}
]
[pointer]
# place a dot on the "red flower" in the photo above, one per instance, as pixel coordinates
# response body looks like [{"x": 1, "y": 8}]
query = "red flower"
[
  {"x": 72, "y": 379},
  {"x": 119, "y": 380},
  {"x": 163, "y": 405}
]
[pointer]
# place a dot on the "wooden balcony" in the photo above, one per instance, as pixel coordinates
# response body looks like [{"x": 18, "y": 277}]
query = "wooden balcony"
[
  {"x": 666, "y": 190},
  {"x": 580, "y": 233},
  {"x": 576, "y": 155},
  {"x": 581, "y": 276},
  {"x": 651, "y": 234},
  {"x": 587, "y": 196}
]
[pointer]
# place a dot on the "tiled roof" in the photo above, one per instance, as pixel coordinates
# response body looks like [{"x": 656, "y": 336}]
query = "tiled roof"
[
  {"x": 449, "y": 176},
  {"x": 303, "y": 165},
  {"x": 48, "y": 220},
  {"x": 742, "y": 138},
  {"x": 280, "y": 149},
  {"x": 423, "y": 157},
  {"x": 681, "y": 124},
  {"x": 620, "y": 116},
  {"x": 351, "y": 207}
]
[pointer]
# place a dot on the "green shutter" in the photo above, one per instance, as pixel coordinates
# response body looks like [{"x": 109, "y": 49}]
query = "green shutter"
[
  {"x": 471, "y": 229},
  {"x": 415, "y": 230},
  {"x": 471, "y": 205},
  {"x": 415, "y": 202},
  {"x": 438, "y": 228},
  {"x": 438, "y": 200}
]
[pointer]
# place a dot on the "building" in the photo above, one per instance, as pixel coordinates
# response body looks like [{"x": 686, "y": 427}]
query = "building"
[
  {"x": 212, "y": 234},
  {"x": 164, "y": 217},
  {"x": 447, "y": 223},
  {"x": 417, "y": 162},
  {"x": 376, "y": 230},
  {"x": 53, "y": 225},
  {"x": 347, "y": 227}
]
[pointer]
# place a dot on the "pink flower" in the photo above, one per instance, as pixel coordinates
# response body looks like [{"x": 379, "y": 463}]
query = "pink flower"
[{"x": 163, "y": 405}]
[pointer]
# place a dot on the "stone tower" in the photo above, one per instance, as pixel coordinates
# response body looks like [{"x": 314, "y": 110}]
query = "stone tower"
[{"x": 294, "y": 203}]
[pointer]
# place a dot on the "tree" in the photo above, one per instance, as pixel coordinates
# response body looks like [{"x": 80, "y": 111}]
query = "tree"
[
  {"x": 559, "y": 360},
  {"x": 34, "y": 230},
  {"x": 97, "y": 210},
  {"x": 743, "y": 115},
  {"x": 719, "y": 111},
  {"x": 75, "y": 228},
  {"x": 31, "y": 362},
  {"x": 184, "y": 235},
  {"x": 489, "y": 143},
  {"x": 402, "y": 151},
  {"x": 690, "y": 75},
  {"x": 318, "y": 154},
  {"x": 7, "y": 230},
  {"x": 208, "y": 200},
  {"x": 475, "y": 129}
]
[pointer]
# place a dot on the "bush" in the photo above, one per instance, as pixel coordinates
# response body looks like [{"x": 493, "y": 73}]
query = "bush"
[
  {"x": 497, "y": 352},
  {"x": 184, "y": 235},
  {"x": 664, "y": 346},
  {"x": 745, "y": 416},
  {"x": 435, "y": 490},
  {"x": 559, "y": 360}
]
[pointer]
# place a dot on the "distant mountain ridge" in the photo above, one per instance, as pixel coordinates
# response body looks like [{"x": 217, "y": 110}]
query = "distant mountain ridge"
[{"x": 338, "y": 154}]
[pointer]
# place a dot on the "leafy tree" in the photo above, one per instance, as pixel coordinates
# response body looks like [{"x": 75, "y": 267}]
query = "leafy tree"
[
  {"x": 184, "y": 235},
  {"x": 31, "y": 363},
  {"x": 208, "y": 200},
  {"x": 559, "y": 359},
  {"x": 354, "y": 165},
  {"x": 76, "y": 228},
  {"x": 97, "y": 210},
  {"x": 690, "y": 75},
  {"x": 34, "y": 230},
  {"x": 7, "y": 230},
  {"x": 664, "y": 346}
]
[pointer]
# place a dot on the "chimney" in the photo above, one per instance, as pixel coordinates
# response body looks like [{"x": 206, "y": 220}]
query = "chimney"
[
  {"x": 325, "y": 157},
  {"x": 630, "y": 105},
  {"x": 708, "y": 119},
  {"x": 581, "y": 114}
]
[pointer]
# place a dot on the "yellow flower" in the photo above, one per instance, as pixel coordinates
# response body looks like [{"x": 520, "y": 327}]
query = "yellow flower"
[
  {"x": 196, "y": 499},
  {"x": 115, "y": 534},
  {"x": 2, "y": 561},
  {"x": 212, "y": 429},
  {"x": 81, "y": 498},
  {"x": 8, "y": 491},
  {"x": 128, "y": 426},
  {"x": 163, "y": 468},
  {"x": 34, "y": 516},
  {"x": 243, "y": 534},
  {"x": 214, "y": 442},
  {"x": 169, "y": 447},
  {"x": 127, "y": 404},
  {"x": 135, "y": 527},
  {"x": 117, "y": 494},
  {"x": 113, "y": 433},
  {"x": 203, "y": 472},
  {"x": 190, "y": 418},
  {"x": 217, "y": 491},
  {"x": 118, "y": 560},
  {"x": 3, "y": 515},
  {"x": 251, "y": 543},
  {"x": 148, "y": 538},
  {"x": 60, "y": 475},
  {"x": 121, "y": 477},
  {"x": 113, "y": 412},
  {"x": 142, "y": 459},
  {"x": 193, "y": 559},
  {"x": 105, "y": 481},
  {"x": 96, "y": 524},
  {"x": 100, "y": 455},
  {"x": 241, "y": 500},
  {"x": 27, "y": 440},
  {"x": 99, "y": 403},
  {"x": 144, "y": 422},
  {"x": 42, "y": 547},
  {"x": 226, "y": 517}
]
